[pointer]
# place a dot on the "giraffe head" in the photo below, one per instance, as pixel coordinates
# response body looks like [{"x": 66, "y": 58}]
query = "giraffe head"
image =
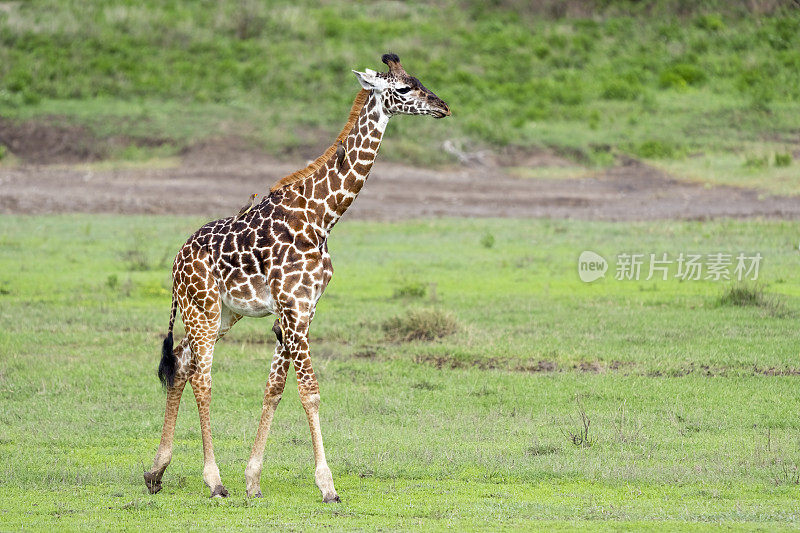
[{"x": 401, "y": 93}]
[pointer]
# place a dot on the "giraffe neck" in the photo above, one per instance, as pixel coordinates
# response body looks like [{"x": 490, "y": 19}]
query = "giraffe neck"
[{"x": 335, "y": 185}]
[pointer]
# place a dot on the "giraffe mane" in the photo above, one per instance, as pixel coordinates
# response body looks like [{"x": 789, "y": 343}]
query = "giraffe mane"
[{"x": 303, "y": 173}]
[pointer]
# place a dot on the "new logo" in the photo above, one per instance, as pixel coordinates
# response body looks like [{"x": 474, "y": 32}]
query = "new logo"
[{"x": 591, "y": 266}]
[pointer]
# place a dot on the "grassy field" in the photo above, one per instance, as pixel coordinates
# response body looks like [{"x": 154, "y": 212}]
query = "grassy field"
[
  {"x": 692, "y": 399},
  {"x": 713, "y": 88}
]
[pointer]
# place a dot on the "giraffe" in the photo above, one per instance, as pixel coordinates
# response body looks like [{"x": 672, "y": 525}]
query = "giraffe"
[{"x": 273, "y": 260}]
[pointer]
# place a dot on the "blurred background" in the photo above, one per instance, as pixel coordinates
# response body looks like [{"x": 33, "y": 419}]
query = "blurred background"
[{"x": 706, "y": 91}]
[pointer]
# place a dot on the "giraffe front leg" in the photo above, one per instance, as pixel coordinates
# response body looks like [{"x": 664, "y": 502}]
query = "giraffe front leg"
[
  {"x": 295, "y": 333},
  {"x": 272, "y": 396},
  {"x": 164, "y": 454}
]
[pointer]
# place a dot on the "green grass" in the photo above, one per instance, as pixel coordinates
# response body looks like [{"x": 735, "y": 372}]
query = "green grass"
[
  {"x": 627, "y": 78},
  {"x": 693, "y": 413},
  {"x": 754, "y": 168}
]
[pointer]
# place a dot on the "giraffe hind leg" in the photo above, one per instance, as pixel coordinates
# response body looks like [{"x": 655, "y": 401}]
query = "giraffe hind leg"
[
  {"x": 205, "y": 325},
  {"x": 183, "y": 369}
]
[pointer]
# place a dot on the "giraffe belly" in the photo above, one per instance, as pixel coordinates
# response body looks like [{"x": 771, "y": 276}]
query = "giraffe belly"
[{"x": 259, "y": 303}]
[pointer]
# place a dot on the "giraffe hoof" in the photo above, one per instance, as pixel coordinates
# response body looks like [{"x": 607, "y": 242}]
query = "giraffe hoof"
[
  {"x": 219, "y": 492},
  {"x": 331, "y": 499},
  {"x": 153, "y": 485},
  {"x": 254, "y": 493}
]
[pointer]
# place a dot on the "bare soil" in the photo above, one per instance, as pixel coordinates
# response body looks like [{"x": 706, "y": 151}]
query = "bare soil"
[{"x": 215, "y": 179}]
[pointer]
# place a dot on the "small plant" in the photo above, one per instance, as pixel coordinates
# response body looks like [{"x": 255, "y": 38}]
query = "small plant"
[
  {"x": 136, "y": 257},
  {"x": 426, "y": 385},
  {"x": 751, "y": 295},
  {"x": 601, "y": 155},
  {"x": 710, "y": 22},
  {"x": 487, "y": 241},
  {"x": 3, "y": 152},
  {"x": 680, "y": 76},
  {"x": 620, "y": 90},
  {"x": 783, "y": 160},
  {"x": 420, "y": 325},
  {"x": 756, "y": 162},
  {"x": 112, "y": 281},
  {"x": 787, "y": 474},
  {"x": 655, "y": 149},
  {"x": 539, "y": 449},
  {"x": 580, "y": 436},
  {"x": 153, "y": 288},
  {"x": 541, "y": 51},
  {"x": 741, "y": 295},
  {"x": 413, "y": 289},
  {"x": 625, "y": 429}
]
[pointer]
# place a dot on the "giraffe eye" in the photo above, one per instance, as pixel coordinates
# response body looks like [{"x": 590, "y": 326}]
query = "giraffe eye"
[{"x": 403, "y": 90}]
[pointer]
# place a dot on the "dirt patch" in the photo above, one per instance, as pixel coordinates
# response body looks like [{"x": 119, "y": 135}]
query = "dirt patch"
[
  {"x": 217, "y": 176},
  {"x": 53, "y": 140},
  {"x": 50, "y": 141},
  {"x": 773, "y": 371},
  {"x": 597, "y": 367},
  {"x": 535, "y": 367}
]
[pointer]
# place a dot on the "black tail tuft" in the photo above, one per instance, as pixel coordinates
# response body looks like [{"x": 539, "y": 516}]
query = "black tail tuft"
[{"x": 166, "y": 369}]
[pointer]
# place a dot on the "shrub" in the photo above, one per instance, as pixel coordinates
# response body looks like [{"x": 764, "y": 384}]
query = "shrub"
[
  {"x": 681, "y": 75},
  {"x": 601, "y": 155},
  {"x": 135, "y": 256},
  {"x": 754, "y": 161},
  {"x": 620, "y": 90},
  {"x": 742, "y": 296},
  {"x": 579, "y": 436},
  {"x": 758, "y": 84},
  {"x": 487, "y": 241},
  {"x": 783, "y": 160},
  {"x": 420, "y": 325},
  {"x": 751, "y": 295},
  {"x": 710, "y": 22},
  {"x": 655, "y": 149},
  {"x": 541, "y": 51},
  {"x": 413, "y": 289}
]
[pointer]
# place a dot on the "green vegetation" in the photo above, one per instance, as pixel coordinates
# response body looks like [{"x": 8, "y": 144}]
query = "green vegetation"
[
  {"x": 622, "y": 77},
  {"x": 420, "y": 325},
  {"x": 555, "y": 404}
]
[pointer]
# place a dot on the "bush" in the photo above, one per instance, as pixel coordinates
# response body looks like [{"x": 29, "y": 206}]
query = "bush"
[
  {"x": 654, "y": 149},
  {"x": 420, "y": 325},
  {"x": 752, "y": 295},
  {"x": 414, "y": 289},
  {"x": 758, "y": 84},
  {"x": 710, "y": 22},
  {"x": 783, "y": 160},
  {"x": 742, "y": 296},
  {"x": 681, "y": 75},
  {"x": 620, "y": 90},
  {"x": 754, "y": 161}
]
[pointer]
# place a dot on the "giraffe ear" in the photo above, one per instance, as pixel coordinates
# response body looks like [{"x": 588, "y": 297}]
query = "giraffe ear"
[{"x": 370, "y": 80}]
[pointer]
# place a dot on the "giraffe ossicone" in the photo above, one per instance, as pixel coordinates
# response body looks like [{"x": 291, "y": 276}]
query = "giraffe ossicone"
[{"x": 272, "y": 259}]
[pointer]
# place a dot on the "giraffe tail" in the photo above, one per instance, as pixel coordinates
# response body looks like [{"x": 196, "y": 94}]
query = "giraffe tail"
[{"x": 168, "y": 364}]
